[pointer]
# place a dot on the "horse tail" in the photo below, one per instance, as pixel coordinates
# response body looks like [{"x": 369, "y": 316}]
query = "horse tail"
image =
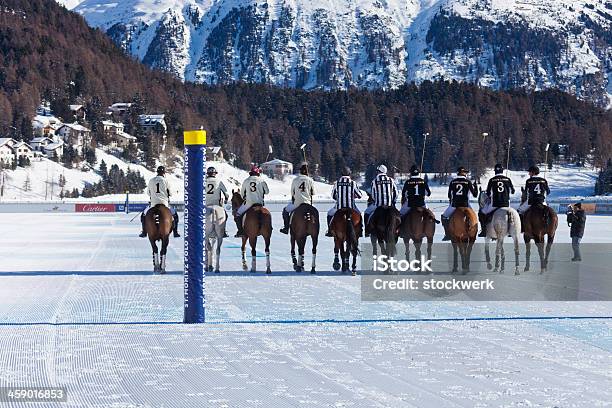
[
  {"x": 156, "y": 216},
  {"x": 389, "y": 228},
  {"x": 546, "y": 216},
  {"x": 350, "y": 232},
  {"x": 260, "y": 219},
  {"x": 468, "y": 225}
]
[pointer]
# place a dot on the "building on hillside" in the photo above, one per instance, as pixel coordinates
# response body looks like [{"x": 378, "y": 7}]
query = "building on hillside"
[
  {"x": 7, "y": 157},
  {"x": 44, "y": 109},
  {"x": 122, "y": 139},
  {"x": 78, "y": 112},
  {"x": 152, "y": 123},
  {"x": 75, "y": 135},
  {"x": 214, "y": 153},
  {"x": 46, "y": 126},
  {"x": 38, "y": 143},
  {"x": 22, "y": 150},
  {"x": 277, "y": 168},
  {"x": 111, "y": 128},
  {"x": 54, "y": 150},
  {"x": 119, "y": 110}
]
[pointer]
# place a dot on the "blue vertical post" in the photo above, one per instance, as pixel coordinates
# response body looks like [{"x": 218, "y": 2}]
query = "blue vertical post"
[{"x": 195, "y": 208}]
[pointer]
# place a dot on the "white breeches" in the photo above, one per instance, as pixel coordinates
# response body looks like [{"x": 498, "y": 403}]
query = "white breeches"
[
  {"x": 405, "y": 209},
  {"x": 242, "y": 209},
  {"x": 450, "y": 210}
]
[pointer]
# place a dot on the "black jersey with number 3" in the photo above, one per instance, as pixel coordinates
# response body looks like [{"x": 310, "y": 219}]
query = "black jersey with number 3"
[
  {"x": 459, "y": 190},
  {"x": 414, "y": 191},
  {"x": 537, "y": 190},
  {"x": 499, "y": 189}
]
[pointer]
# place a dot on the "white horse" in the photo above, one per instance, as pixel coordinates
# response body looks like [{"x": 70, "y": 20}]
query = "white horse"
[
  {"x": 505, "y": 221},
  {"x": 215, "y": 230}
]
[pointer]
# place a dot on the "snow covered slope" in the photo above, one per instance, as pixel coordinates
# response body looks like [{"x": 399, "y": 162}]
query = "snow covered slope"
[{"x": 332, "y": 44}]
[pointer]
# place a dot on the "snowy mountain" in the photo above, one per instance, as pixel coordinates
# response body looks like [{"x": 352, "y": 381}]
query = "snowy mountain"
[{"x": 331, "y": 44}]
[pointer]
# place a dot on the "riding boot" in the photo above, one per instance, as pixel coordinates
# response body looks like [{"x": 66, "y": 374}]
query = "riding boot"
[
  {"x": 483, "y": 225},
  {"x": 445, "y": 222},
  {"x": 175, "y": 219},
  {"x": 285, "y": 229},
  {"x": 240, "y": 232},
  {"x": 328, "y": 233},
  {"x": 143, "y": 233}
]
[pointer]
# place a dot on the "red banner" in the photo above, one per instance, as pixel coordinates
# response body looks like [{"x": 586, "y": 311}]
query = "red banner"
[{"x": 94, "y": 208}]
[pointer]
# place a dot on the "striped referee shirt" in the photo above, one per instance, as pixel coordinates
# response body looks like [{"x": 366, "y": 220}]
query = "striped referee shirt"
[
  {"x": 344, "y": 192},
  {"x": 384, "y": 190}
]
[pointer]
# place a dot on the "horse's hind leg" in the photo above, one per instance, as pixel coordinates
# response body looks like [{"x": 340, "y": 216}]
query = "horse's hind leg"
[
  {"x": 487, "y": 253},
  {"x": 243, "y": 249},
  {"x": 336, "y": 264},
  {"x": 267, "y": 250},
  {"x": 499, "y": 255},
  {"x": 549, "y": 243},
  {"x": 540, "y": 245},
  {"x": 155, "y": 256},
  {"x": 417, "y": 246},
  {"x": 516, "y": 256},
  {"x": 429, "y": 246},
  {"x": 219, "y": 245},
  {"x": 253, "y": 244},
  {"x": 164, "y": 250},
  {"x": 455, "y": 262},
  {"x": 527, "y": 254},
  {"x": 315, "y": 242},
  {"x": 295, "y": 263},
  {"x": 301, "y": 247},
  {"x": 407, "y": 248}
]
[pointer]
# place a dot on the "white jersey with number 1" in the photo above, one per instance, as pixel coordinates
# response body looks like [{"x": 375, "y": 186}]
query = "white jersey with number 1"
[
  {"x": 253, "y": 190},
  {"x": 158, "y": 191}
]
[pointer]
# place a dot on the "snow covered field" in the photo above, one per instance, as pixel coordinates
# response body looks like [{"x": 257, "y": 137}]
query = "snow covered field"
[{"x": 80, "y": 308}]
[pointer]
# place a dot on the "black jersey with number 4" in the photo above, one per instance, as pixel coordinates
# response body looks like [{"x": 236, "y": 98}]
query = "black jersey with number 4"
[
  {"x": 537, "y": 190},
  {"x": 499, "y": 189},
  {"x": 459, "y": 190},
  {"x": 414, "y": 191}
]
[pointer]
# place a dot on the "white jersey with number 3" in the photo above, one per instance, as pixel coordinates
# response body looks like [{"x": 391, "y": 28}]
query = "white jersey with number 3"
[
  {"x": 158, "y": 191},
  {"x": 302, "y": 190},
  {"x": 253, "y": 190}
]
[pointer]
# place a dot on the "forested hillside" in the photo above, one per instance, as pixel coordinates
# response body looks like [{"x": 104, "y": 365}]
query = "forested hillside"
[{"x": 50, "y": 53}]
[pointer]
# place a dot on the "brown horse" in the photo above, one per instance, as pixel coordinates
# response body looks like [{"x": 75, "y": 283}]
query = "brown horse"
[
  {"x": 343, "y": 227},
  {"x": 257, "y": 221},
  {"x": 304, "y": 223},
  {"x": 384, "y": 230},
  {"x": 158, "y": 226},
  {"x": 419, "y": 223},
  {"x": 462, "y": 230},
  {"x": 539, "y": 220}
]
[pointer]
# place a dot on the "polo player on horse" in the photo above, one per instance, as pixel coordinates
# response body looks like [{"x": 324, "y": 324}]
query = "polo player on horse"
[
  {"x": 216, "y": 192},
  {"x": 414, "y": 192},
  {"x": 253, "y": 192},
  {"x": 537, "y": 190},
  {"x": 302, "y": 191},
  {"x": 344, "y": 192},
  {"x": 159, "y": 193},
  {"x": 458, "y": 194},
  {"x": 498, "y": 192},
  {"x": 384, "y": 194}
]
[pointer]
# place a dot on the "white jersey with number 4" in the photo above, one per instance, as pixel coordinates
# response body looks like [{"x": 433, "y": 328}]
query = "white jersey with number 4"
[
  {"x": 158, "y": 191},
  {"x": 253, "y": 190},
  {"x": 302, "y": 190}
]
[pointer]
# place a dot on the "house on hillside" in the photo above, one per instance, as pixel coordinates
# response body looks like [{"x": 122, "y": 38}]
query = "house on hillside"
[
  {"x": 22, "y": 150},
  {"x": 7, "y": 157},
  {"x": 45, "y": 126},
  {"x": 111, "y": 128},
  {"x": 123, "y": 139},
  {"x": 214, "y": 153},
  {"x": 277, "y": 168},
  {"x": 54, "y": 150},
  {"x": 78, "y": 112},
  {"x": 119, "y": 110},
  {"x": 38, "y": 143},
  {"x": 151, "y": 123},
  {"x": 75, "y": 135}
]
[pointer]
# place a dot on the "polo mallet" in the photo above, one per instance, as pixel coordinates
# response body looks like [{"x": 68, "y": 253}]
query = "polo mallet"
[
  {"x": 546, "y": 159},
  {"x": 423, "y": 154},
  {"x": 303, "y": 149},
  {"x": 508, "y": 158},
  {"x": 269, "y": 152},
  {"x": 135, "y": 216}
]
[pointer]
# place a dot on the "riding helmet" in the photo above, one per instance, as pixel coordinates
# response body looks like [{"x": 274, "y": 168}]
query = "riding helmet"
[
  {"x": 462, "y": 170},
  {"x": 255, "y": 170},
  {"x": 304, "y": 168},
  {"x": 161, "y": 170},
  {"x": 499, "y": 168},
  {"x": 211, "y": 171},
  {"x": 535, "y": 170},
  {"x": 346, "y": 171},
  {"x": 414, "y": 170},
  {"x": 382, "y": 169}
]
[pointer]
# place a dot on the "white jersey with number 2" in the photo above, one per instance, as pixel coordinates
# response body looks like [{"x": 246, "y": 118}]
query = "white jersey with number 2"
[{"x": 158, "y": 191}]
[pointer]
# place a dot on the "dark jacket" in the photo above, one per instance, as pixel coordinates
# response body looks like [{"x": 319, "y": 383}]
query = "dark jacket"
[{"x": 576, "y": 220}]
